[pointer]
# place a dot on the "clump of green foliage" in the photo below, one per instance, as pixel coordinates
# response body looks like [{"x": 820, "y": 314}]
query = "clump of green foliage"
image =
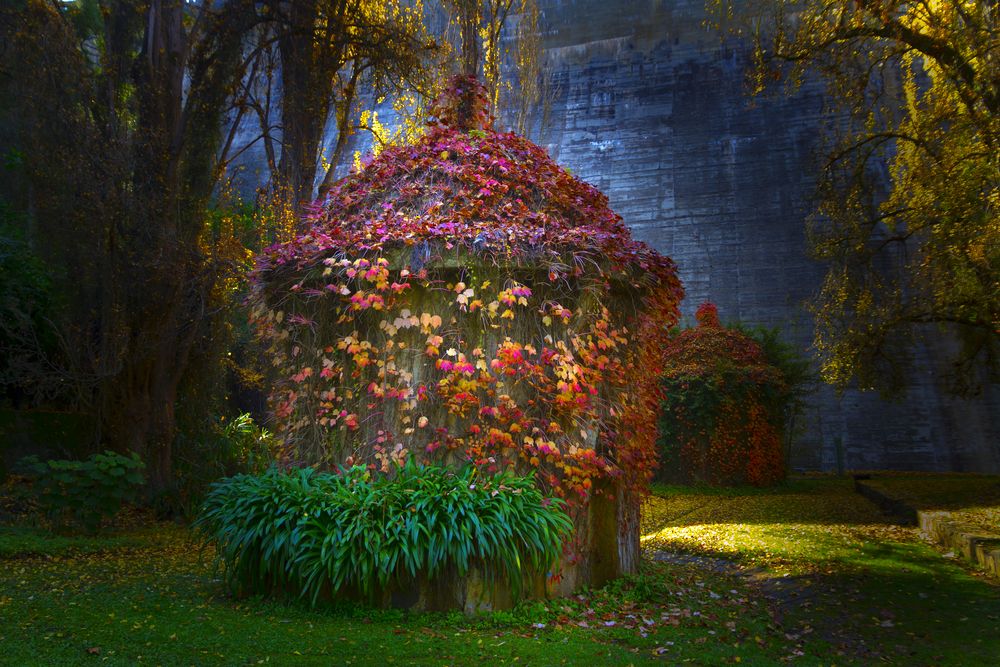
[
  {"x": 82, "y": 494},
  {"x": 247, "y": 444},
  {"x": 218, "y": 448},
  {"x": 799, "y": 380},
  {"x": 28, "y": 345},
  {"x": 308, "y": 532}
]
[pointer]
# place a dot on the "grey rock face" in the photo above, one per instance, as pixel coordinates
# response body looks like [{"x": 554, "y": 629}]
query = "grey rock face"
[{"x": 650, "y": 107}]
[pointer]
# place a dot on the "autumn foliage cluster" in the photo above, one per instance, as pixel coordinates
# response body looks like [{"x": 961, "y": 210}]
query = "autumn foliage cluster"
[
  {"x": 463, "y": 299},
  {"x": 722, "y": 413}
]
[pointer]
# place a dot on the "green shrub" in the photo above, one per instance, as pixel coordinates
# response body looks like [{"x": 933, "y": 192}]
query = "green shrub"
[
  {"x": 215, "y": 450},
  {"x": 83, "y": 493},
  {"x": 305, "y": 531},
  {"x": 248, "y": 445},
  {"x": 800, "y": 380},
  {"x": 29, "y": 348}
]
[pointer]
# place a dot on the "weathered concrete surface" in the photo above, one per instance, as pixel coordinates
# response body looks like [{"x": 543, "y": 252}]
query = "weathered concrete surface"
[
  {"x": 650, "y": 107},
  {"x": 969, "y": 542}
]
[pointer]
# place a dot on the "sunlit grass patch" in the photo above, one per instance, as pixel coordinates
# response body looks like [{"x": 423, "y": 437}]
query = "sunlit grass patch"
[
  {"x": 803, "y": 524},
  {"x": 835, "y": 568}
]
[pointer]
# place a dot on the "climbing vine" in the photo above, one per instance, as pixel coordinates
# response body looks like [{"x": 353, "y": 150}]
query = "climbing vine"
[
  {"x": 465, "y": 299},
  {"x": 723, "y": 410}
]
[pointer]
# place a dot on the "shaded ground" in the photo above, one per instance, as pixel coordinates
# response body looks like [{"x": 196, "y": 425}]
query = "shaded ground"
[{"x": 807, "y": 574}]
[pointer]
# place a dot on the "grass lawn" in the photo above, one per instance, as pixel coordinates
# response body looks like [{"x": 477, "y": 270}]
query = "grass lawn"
[{"x": 809, "y": 574}]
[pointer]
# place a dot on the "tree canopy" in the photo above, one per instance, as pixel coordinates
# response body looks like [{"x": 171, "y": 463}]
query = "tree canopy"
[
  {"x": 907, "y": 218},
  {"x": 123, "y": 118}
]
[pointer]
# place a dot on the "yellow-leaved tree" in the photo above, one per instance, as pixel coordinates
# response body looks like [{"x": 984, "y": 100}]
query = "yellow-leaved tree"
[{"x": 907, "y": 218}]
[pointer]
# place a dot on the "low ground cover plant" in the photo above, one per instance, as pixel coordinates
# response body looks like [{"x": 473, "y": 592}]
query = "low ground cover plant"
[
  {"x": 308, "y": 532},
  {"x": 82, "y": 494}
]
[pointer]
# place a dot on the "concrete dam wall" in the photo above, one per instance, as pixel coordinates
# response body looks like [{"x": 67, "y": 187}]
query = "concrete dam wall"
[{"x": 651, "y": 107}]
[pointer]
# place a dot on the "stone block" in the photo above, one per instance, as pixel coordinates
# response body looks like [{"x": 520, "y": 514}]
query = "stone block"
[{"x": 971, "y": 542}]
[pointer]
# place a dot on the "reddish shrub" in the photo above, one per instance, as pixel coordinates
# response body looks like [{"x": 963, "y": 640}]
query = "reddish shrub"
[{"x": 721, "y": 417}]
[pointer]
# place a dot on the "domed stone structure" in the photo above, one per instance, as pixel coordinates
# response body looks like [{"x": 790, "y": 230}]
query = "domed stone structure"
[{"x": 465, "y": 300}]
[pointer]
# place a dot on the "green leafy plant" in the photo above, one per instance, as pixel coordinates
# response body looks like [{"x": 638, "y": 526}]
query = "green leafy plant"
[
  {"x": 216, "y": 449},
  {"x": 249, "y": 445},
  {"x": 29, "y": 348},
  {"x": 306, "y": 532},
  {"x": 82, "y": 494},
  {"x": 789, "y": 399}
]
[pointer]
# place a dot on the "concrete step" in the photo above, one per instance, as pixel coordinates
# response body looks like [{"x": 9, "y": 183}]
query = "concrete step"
[{"x": 972, "y": 543}]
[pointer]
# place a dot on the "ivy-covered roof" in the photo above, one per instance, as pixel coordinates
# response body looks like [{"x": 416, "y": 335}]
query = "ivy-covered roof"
[
  {"x": 403, "y": 322},
  {"x": 465, "y": 184}
]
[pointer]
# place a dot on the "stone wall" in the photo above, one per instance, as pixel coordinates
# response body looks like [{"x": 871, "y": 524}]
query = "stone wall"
[{"x": 650, "y": 107}]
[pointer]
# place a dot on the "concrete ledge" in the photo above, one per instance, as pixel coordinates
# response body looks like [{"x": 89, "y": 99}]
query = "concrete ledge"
[
  {"x": 897, "y": 509},
  {"x": 972, "y": 543}
]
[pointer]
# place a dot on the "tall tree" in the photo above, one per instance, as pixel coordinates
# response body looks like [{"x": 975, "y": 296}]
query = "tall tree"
[
  {"x": 328, "y": 48},
  {"x": 908, "y": 220},
  {"x": 312, "y": 62},
  {"x": 141, "y": 88},
  {"x": 119, "y": 108},
  {"x": 499, "y": 42}
]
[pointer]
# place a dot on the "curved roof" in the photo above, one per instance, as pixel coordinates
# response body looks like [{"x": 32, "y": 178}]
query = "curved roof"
[{"x": 464, "y": 184}]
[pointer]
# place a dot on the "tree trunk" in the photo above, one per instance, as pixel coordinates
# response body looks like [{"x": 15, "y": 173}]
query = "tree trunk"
[
  {"x": 158, "y": 284},
  {"x": 124, "y": 206},
  {"x": 140, "y": 419},
  {"x": 470, "y": 37},
  {"x": 305, "y": 104}
]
